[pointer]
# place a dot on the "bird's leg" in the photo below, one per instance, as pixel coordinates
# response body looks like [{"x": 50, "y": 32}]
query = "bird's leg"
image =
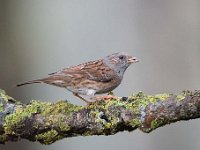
[{"x": 88, "y": 102}]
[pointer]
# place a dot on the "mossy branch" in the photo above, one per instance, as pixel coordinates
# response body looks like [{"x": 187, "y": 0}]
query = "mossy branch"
[{"x": 47, "y": 122}]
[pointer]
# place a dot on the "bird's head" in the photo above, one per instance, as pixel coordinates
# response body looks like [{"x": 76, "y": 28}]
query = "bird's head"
[{"x": 119, "y": 62}]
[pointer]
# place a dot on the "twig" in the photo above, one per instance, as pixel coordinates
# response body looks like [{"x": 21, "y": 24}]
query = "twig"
[{"x": 47, "y": 122}]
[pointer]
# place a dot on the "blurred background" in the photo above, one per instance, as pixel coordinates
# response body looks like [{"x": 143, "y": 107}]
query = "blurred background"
[{"x": 39, "y": 37}]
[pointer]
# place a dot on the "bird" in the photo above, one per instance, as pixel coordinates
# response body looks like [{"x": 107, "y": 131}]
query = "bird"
[{"x": 90, "y": 78}]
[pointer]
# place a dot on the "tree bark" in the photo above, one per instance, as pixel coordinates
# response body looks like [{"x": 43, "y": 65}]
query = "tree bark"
[{"x": 48, "y": 122}]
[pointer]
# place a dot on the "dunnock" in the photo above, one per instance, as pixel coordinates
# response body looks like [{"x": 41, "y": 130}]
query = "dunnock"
[{"x": 90, "y": 78}]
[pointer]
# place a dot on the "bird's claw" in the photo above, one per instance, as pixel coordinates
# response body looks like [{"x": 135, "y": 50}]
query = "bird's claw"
[{"x": 104, "y": 97}]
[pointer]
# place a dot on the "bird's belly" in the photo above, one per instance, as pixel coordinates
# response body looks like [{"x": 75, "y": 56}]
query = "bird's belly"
[
  {"x": 82, "y": 91},
  {"x": 93, "y": 87},
  {"x": 105, "y": 88}
]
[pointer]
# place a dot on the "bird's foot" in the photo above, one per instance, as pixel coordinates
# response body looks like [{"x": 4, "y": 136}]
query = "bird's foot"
[{"x": 104, "y": 97}]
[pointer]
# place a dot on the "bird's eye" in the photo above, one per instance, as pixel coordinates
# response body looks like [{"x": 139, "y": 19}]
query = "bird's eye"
[{"x": 121, "y": 57}]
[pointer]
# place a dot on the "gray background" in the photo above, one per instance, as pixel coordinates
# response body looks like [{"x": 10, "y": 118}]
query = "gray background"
[{"x": 38, "y": 37}]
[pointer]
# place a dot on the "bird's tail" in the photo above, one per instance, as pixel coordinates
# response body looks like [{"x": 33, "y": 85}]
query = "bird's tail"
[{"x": 29, "y": 82}]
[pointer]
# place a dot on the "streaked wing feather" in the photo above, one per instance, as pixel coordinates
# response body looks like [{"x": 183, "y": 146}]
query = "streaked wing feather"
[
  {"x": 99, "y": 77},
  {"x": 93, "y": 70},
  {"x": 99, "y": 72},
  {"x": 75, "y": 68}
]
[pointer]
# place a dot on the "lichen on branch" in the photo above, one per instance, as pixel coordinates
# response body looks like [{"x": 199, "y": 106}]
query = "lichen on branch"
[{"x": 48, "y": 122}]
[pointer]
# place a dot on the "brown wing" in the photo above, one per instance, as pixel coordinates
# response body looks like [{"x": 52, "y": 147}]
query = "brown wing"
[
  {"x": 96, "y": 71},
  {"x": 82, "y": 66},
  {"x": 93, "y": 70}
]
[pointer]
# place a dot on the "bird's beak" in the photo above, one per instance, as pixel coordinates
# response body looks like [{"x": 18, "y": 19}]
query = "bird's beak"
[{"x": 132, "y": 60}]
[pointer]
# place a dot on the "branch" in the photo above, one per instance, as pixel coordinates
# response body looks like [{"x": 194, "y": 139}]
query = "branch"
[{"x": 47, "y": 122}]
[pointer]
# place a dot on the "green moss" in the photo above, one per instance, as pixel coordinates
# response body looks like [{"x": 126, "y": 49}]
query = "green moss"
[
  {"x": 145, "y": 99},
  {"x": 107, "y": 125},
  {"x": 138, "y": 95},
  {"x": 135, "y": 122},
  {"x": 59, "y": 120},
  {"x": 155, "y": 98},
  {"x": 36, "y": 107},
  {"x": 186, "y": 92},
  {"x": 156, "y": 123},
  {"x": 13, "y": 120},
  {"x": 48, "y": 137},
  {"x": 58, "y": 113},
  {"x": 54, "y": 114},
  {"x": 180, "y": 97},
  {"x": 183, "y": 95},
  {"x": 108, "y": 108},
  {"x": 21, "y": 113},
  {"x": 5, "y": 97},
  {"x": 1, "y": 106},
  {"x": 3, "y": 138},
  {"x": 2, "y": 92},
  {"x": 87, "y": 133},
  {"x": 61, "y": 107},
  {"x": 136, "y": 103}
]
